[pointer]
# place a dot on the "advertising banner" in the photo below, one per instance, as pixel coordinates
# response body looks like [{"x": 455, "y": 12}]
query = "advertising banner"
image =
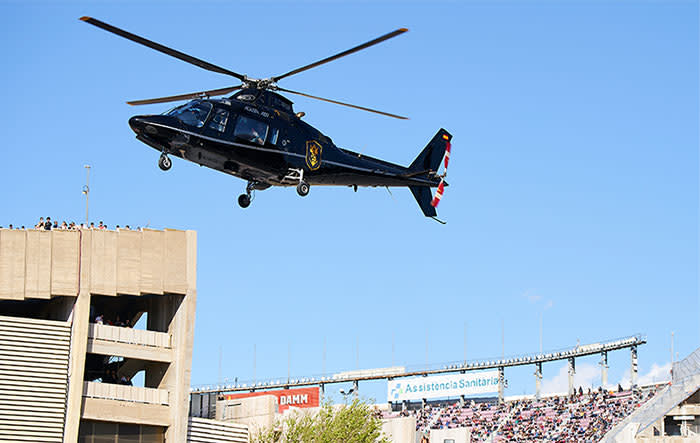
[
  {"x": 298, "y": 398},
  {"x": 452, "y": 385}
]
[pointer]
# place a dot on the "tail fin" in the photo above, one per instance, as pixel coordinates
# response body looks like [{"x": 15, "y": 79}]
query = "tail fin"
[
  {"x": 429, "y": 161},
  {"x": 429, "y": 158},
  {"x": 424, "y": 197}
]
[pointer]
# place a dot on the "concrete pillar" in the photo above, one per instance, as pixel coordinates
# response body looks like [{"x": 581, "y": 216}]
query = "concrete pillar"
[
  {"x": 177, "y": 376},
  {"x": 572, "y": 372},
  {"x": 604, "y": 368},
  {"x": 501, "y": 382},
  {"x": 538, "y": 380},
  {"x": 356, "y": 389},
  {"x": 323, "y": 392},
  {"x": 634, "y": 368},
  {"x": 80, "y": 320},
  {"x": 76, "y": 366}
]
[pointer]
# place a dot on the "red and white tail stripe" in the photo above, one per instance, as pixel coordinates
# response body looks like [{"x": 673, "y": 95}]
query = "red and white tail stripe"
[
  {"x": 441, "y": 186},
  {"x": 438, "y": 194},
  {"x": 447, "y": 154}
]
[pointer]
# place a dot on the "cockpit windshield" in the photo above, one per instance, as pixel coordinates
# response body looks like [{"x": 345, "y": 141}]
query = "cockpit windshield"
[{"x": 192, "y": 114}]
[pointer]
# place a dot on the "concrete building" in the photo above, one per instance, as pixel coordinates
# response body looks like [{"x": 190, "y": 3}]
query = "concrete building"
[
  {"x": 63, "y": 376},
  {"x": 257, "y": 413},
  {"x": 673, "y": 415}
]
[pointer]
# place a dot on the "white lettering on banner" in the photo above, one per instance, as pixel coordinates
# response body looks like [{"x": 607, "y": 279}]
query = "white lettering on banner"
[
  {"x": 417, "y": 388},
  {"x": 298, "y": 399}
]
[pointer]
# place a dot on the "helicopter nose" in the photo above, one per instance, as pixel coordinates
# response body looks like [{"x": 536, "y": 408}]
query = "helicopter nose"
[
  {"x": 152, "y": 124},
  {"x": 137, "y": 124}
]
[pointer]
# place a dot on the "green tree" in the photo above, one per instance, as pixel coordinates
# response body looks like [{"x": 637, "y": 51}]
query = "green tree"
[{"x": 353, "y": 423}]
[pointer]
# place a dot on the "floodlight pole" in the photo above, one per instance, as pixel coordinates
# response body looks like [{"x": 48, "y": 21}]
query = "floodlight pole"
[
  {"x": 541, "y": 315},
  {"x": 671, "y": 349},
  {"x": 465, "y": 342},
  {"x": 86, "y": 191}
]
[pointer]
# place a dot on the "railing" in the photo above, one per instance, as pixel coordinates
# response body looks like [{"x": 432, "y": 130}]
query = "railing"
[
  {"x": 442, "y": 368},
  {"x": 132, "y": 394},
  {"x": 129, "y": 335},
  {"x": 687, "y": 367}
]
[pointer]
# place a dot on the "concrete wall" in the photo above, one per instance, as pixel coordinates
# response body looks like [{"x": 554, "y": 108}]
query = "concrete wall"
[
  {"x": 44, "y": 264},
  {"x": 255, "y": 412},
  {"x": 400, "y": 429},
  {"x": 459, "y": 435}
]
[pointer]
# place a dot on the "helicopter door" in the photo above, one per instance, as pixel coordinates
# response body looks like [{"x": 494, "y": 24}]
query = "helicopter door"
[
  {"x": 218, "y": 123},
  {"x": 251, "y": 130}
]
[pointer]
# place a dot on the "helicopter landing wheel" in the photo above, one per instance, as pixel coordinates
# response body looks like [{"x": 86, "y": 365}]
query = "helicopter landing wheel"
[
  {"x": 303, "y": 188},
  {"x": 244, "y": 200},
  {"x": 164, "y": 162}
]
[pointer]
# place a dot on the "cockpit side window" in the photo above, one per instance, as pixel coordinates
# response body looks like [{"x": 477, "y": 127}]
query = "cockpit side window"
[
  {"x": 275, "y": 133},
  {"x": 251, "y": 130},
  {"x": 192, "y": 114},
  {"x": 219, "y": 120}
]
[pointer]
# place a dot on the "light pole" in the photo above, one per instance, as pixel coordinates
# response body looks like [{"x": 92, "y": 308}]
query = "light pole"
[
  {"x": 346, "y": 394},
  {"x": 86, "y": 191}
]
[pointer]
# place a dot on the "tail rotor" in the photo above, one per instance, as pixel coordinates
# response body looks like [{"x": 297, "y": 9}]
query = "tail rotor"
[{"x": 441, "y": 187}]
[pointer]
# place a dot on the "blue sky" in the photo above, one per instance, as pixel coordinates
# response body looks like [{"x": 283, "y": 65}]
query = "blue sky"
[{"x": 574, "y": 173}]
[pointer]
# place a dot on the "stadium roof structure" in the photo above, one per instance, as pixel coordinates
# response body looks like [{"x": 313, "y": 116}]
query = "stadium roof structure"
[{"x": 461, "y": 366}]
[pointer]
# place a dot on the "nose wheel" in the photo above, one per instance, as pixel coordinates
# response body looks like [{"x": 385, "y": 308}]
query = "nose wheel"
[
  {"x": 244, "y": 200},
  {"x": 164, "y": 162}
]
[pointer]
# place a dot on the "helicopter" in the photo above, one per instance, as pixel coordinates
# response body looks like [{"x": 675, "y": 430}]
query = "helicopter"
[{"x": 255, "y": 135}]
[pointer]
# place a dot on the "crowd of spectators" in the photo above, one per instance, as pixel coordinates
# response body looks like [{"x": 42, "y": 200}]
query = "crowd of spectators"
[
  {"x": 106, "y": 372},
  {"x": 582, "y": 417},
  {"x": 110, "y": 376},
  {"x": 101, "y": 320},
  {"x": 49, "y": 225}
]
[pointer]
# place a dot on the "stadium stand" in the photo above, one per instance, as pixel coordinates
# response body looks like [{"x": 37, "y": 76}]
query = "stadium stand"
[{"x": 582, "y": 417}]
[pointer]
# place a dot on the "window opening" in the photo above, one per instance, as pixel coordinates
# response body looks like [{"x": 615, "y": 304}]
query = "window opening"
[
  {"x": 251, "y": 130},
  {"x": 274, "y": 136},
  {"x": 192, "y": 114},
  {"x": 219, "y": 120}
]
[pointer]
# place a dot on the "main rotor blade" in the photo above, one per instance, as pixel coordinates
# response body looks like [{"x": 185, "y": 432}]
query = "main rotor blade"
[
  {"x": 343, "y": 104},
  {"x": 160, "y": 48},
  {"x": 189, "y": 96},
  {"x": 342, "y": 54}
]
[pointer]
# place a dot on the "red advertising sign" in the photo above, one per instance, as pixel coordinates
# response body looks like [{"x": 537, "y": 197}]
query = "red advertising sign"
[{"x": 298, "y": 398}]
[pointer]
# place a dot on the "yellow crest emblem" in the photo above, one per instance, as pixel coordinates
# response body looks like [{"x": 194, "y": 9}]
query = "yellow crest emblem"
[{"x": 313, "y": 154}]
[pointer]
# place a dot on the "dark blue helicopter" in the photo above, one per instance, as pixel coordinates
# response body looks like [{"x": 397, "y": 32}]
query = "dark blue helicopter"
[{"x": 256, "y": 135}]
